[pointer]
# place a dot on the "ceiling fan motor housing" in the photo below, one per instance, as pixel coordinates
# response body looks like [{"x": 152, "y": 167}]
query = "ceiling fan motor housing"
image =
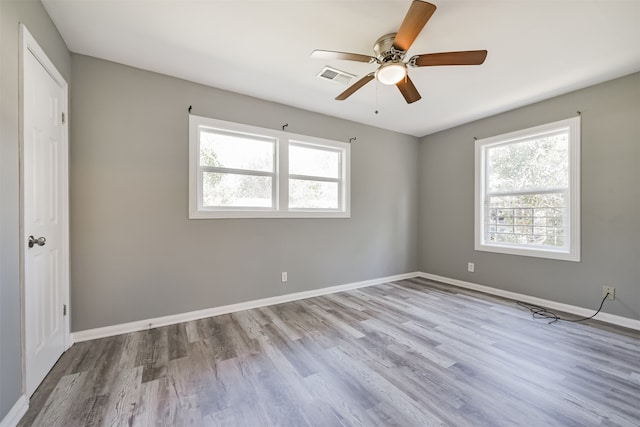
[{"x": 385, "y": 52}]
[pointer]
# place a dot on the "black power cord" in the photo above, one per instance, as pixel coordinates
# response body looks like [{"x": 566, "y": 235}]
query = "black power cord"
[{"x": 538, "y": 312}]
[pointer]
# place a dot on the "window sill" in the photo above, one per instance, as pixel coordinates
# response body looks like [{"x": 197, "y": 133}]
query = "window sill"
[
  {"x": 529, "y": 252},
  {"x": 266, "y": 214}
]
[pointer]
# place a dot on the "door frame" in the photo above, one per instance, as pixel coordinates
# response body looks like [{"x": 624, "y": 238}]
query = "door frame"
[{"x": 29, "y": 45}]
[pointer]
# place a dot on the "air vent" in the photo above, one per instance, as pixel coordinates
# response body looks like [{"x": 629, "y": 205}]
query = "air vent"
[{"x": 334, "y": 75}]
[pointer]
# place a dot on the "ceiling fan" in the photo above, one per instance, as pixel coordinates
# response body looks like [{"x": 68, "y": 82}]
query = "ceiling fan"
[{"x": 391, "y": 49}]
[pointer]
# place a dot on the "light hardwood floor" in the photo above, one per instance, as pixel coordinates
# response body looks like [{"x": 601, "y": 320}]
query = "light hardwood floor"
[{"x": 408, "y": 353}]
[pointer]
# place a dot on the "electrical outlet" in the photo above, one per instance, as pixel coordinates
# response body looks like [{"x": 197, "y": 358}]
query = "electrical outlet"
[
  {"x": 610, "y": 290},
  {"x": 284, "y": 276},
  {"x": 471, "y": 267}
]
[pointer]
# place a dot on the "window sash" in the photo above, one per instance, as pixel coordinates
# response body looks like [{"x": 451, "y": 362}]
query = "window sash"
[
  {"x": 533, "y": 223},
  {"x": 317, "y": 147},
  {"x": 241, "y": 172},
  {"x": 340, "y": 195},
  {"x": 247, "y": 136}
]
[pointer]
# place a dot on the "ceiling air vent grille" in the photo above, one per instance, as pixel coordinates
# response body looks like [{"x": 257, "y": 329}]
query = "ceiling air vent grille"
[{"x": 335, "y": 75}]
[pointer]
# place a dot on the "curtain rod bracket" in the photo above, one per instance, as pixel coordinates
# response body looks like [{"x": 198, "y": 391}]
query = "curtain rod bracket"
[
  {"x": 352, "y": 139},
  {"x": 284, "y": 126},
  {"x": 190, "y": 109}
]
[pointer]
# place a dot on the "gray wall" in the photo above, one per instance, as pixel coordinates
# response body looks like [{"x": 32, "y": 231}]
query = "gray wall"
[
  {"x": 610, "y": 202},
  {"x": 33, "y": 15},
  {"x": 135, "y": 255}
]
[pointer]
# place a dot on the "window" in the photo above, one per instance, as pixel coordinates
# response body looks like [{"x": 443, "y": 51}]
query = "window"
[
  {"x": 240, "y": 171},
  {"x": 528, "y": 192}
]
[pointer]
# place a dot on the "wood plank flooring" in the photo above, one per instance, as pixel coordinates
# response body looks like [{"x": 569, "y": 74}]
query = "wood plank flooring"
[{"x": 408, "y": 353}]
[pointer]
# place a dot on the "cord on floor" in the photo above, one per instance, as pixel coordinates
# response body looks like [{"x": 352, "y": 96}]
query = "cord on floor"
[{"x": 538, "y": 312}]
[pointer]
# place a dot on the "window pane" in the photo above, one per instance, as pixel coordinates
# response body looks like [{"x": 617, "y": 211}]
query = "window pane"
[
  {"x": 527, "y": 165},
  {"x": 221, "y": 189},
  {"x": 236, "y": 151},
  {"x": 313, "y": 162},
  {"x": 313, "y": 194},
  {"x": 534, "y": 219}
]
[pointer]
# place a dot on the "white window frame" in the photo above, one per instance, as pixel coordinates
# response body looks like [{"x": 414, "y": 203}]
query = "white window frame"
[
  {"x": 572, "y": 251},
  {"x": 280, "y": 193}
]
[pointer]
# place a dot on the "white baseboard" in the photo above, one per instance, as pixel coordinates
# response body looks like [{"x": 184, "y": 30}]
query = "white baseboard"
[
  {"x": 16, "y": 413},
  {"x": 580, "y": 311},
  {"x": 140, "y": 325}
]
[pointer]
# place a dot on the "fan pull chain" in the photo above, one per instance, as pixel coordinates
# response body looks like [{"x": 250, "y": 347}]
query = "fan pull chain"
[{"x": 376, "y": 111}]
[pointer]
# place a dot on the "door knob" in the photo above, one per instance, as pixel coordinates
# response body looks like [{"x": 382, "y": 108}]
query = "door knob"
[{"x": 40, "y": 241}]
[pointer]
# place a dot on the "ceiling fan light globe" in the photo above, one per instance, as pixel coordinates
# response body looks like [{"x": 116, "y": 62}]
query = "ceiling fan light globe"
[{"x": 391, "y": 73}]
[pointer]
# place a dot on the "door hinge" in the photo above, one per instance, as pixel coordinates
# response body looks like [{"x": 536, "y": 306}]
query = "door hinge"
[
  {"x": 62, "y": 118},
  {"x": 64, "y": 309}
]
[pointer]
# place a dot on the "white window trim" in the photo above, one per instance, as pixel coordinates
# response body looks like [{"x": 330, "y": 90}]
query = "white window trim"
[
  {"x": 281, "y": 177},
  {"x": 573, "y": 252}
]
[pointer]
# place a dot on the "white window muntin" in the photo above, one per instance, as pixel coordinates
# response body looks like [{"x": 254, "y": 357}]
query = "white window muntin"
[
  {"x": 571, "y": 250},
  {"x": 338, "y": 180},
  {"x": 280, "y": 184}
]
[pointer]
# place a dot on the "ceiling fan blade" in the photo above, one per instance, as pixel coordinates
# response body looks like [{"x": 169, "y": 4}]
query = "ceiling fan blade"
[
  {"x": 470, "y": 57},
  {"x": 416, "y": 18},
  {"x": 329, "y": 54},
  {"x": 354, "y": 87},
  {"x": 408, "y": 90}
]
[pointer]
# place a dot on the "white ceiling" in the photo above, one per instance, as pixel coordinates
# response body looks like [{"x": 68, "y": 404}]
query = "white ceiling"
[{"x": 537, "y": 49}]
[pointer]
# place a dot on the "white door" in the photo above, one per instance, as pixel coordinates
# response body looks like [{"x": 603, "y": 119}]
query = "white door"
[{"x": 45, "y": 212}]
